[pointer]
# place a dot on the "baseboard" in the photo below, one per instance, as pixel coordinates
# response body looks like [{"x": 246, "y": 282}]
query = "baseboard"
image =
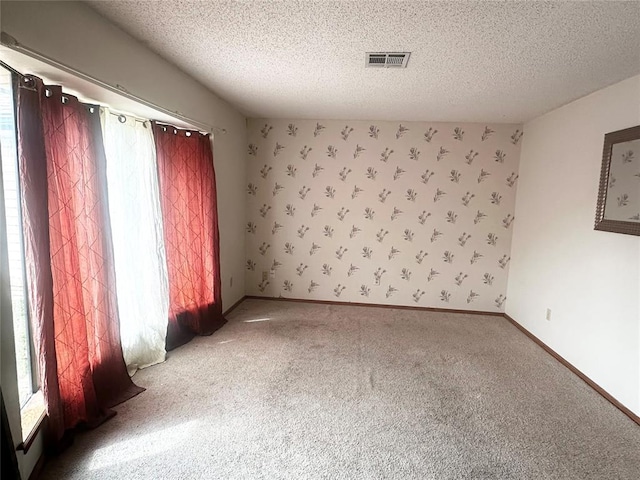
[
  {"x": 234, "y": 306},
  {"x": 566, "y": 363},
  {"x": 376, "y": 305},
  {"x": 37, "y": 469}
]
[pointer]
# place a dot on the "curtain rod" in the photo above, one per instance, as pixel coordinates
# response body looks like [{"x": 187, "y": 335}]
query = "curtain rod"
[
  {"x": 110, "y": 111},
  {"x": 10, "y": 42},
  {"x": 11, "y": 69}
]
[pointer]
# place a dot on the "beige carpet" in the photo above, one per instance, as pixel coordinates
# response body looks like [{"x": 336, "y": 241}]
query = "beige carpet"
[{"x": 294, "y": 391}]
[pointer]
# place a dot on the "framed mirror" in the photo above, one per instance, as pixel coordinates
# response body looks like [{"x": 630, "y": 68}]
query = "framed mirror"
[{"x": 618, "y": 207}]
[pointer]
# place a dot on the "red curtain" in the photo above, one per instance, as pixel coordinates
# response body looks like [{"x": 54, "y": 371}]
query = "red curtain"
[
  {"x": 70, "y": 275},
  {"x": 189, "y": 212}
]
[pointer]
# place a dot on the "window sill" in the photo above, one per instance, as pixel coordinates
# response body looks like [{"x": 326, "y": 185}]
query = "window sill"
[{"x": 32, "y": 414}]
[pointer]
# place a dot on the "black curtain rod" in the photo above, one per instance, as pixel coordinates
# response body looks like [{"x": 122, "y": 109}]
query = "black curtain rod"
[
  {"x": 11, "y": 69},
  {"x": 10, "y": 42},
  {"x": 119, "y": 115}
]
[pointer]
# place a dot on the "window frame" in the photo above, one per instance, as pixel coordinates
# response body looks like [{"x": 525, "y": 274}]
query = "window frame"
[{"x": 32, "y": 407}]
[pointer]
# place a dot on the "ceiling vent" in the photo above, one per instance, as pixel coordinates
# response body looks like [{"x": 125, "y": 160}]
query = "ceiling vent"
[{"x": 387, "y": 59}]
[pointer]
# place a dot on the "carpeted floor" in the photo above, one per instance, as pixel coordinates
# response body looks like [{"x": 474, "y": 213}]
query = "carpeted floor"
[{"x": 295, "y": 391}]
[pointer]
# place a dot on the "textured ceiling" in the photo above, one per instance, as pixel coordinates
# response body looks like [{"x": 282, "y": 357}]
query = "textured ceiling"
[{"x": 470, "y": 61}]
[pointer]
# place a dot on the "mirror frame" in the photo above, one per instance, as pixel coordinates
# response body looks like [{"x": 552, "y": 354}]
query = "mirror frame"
[{"x": 602, "y": 224}]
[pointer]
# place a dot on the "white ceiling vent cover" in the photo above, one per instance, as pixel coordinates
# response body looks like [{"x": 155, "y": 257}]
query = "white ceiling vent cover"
[{"x": 387, "y": 59}]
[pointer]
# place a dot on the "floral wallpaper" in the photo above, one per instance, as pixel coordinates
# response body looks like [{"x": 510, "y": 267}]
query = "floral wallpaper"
[
  {"x": 399, "y": 213},
  {"x": 623, "y": 197}
]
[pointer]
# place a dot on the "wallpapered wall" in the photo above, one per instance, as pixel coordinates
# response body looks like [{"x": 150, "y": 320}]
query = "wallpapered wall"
[{"x": 381, "y": 212}]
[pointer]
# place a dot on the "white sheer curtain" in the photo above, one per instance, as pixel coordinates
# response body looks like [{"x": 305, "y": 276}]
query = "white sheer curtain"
[{"x": 138, "y": 242}]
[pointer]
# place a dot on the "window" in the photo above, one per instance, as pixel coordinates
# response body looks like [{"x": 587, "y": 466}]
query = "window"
[{"x": 25, "y": 365}]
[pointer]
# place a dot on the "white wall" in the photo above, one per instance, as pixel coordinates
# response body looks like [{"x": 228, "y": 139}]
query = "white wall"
[
  {"x": 74, "y": 34},
  {"x": 463, "y": 266},
  {"x": 589, "y": 279}
]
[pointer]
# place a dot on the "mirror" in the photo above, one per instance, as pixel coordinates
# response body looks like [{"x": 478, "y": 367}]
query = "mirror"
[{"x": 618, "y": 207}]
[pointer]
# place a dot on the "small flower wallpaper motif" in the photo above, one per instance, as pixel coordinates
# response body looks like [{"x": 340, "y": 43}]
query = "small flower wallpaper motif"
[
  {"x": 391, "y": 213},
  {"x": 623, "y": 197}
]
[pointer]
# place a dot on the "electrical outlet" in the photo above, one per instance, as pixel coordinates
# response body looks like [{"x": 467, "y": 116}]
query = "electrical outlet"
[
  {"x": 272, "y": 273},
  {"x": 265, "y": 276},
  {"x": 548, "y": 314}
]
